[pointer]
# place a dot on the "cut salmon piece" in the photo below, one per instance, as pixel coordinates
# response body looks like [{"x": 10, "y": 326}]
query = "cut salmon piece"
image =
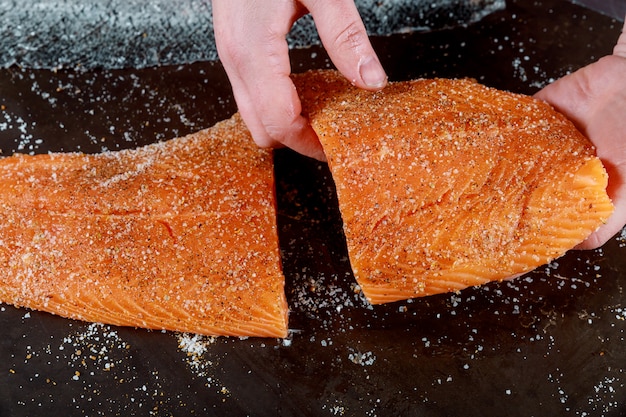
[
  {"x": 179, "y": 235},
  {"x": 444, "y": 184}
]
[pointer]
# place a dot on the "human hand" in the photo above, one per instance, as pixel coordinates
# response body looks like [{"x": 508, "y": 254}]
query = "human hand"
[
  {"x": 250, "y": 39},
  {"x": 594, "y": 98}
]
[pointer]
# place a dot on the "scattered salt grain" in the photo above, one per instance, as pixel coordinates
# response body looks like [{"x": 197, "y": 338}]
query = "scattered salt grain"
[{"x": 362, "y": 358}]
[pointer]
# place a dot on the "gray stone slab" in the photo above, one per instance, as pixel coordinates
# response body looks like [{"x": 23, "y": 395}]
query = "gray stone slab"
[{"x": 139, "y": 33}]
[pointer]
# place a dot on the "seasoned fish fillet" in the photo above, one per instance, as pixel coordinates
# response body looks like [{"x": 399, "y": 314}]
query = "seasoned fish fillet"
[
  {"x": 444, "y": 184},
  {"x": 179, "y": 235}
]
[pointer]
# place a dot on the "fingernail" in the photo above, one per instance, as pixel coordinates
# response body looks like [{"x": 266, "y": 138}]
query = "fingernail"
[{"x": 372, "y": 73}]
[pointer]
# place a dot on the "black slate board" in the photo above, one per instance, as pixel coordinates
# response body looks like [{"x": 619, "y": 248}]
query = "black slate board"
[{"x": 546, "y": 344}]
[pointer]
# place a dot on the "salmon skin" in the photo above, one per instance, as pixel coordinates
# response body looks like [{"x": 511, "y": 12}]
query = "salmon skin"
[
  {"x": 444, "y": 184},
  {"x": 179, "y": 235}
]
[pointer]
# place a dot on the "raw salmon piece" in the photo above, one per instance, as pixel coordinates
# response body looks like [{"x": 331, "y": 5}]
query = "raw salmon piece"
[
  {"x": 444, "y": 184},
  {"x": 179, "y": 235}
]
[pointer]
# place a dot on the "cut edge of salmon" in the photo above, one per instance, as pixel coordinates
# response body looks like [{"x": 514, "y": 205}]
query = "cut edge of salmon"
[
  {"x": 590, "y": 181},
  {"x": 163, "y": 264},
  {"x": 365, "y": 133}
]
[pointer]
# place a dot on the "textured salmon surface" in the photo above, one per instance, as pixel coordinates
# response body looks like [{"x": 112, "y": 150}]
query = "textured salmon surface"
[
  {"x": 179, "y": 235},
  {"x": 444, "y": 184}
]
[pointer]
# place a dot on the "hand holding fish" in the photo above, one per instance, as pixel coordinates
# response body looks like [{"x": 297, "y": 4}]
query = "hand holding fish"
[
  {"x": 594, "y": 98},
  {"x": 250, "y": 38}
]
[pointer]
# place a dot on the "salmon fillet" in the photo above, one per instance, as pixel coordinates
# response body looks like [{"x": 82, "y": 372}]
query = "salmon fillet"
[
  {"x": 444, "y": 184},
  {"x": 179, "y": 235}
]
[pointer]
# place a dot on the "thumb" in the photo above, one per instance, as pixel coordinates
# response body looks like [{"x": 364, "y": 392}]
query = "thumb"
[
  {"x": 620, "y": 48},
  {"x": 344, "y": 36}
]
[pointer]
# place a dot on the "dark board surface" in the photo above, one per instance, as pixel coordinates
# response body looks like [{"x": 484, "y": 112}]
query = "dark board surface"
[{"x": 546, "y": 344}]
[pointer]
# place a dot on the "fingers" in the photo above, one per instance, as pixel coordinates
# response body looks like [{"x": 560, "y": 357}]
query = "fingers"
[
  {"x": 344, "y": 36},
  {"x": 612, "y": 152},
  {"x": 594, "y": 98},
  {"x": 620, "y": 47},
  {"x": 617, "y": 172},
  {"x": 272, "y": 115},
  {"x": 250, "y": 39}
]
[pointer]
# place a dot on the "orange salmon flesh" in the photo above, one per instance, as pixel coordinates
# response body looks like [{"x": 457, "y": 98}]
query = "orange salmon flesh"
[
  {"x": 442, "y": 184},
  {"x": 179, "y": 235}
]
